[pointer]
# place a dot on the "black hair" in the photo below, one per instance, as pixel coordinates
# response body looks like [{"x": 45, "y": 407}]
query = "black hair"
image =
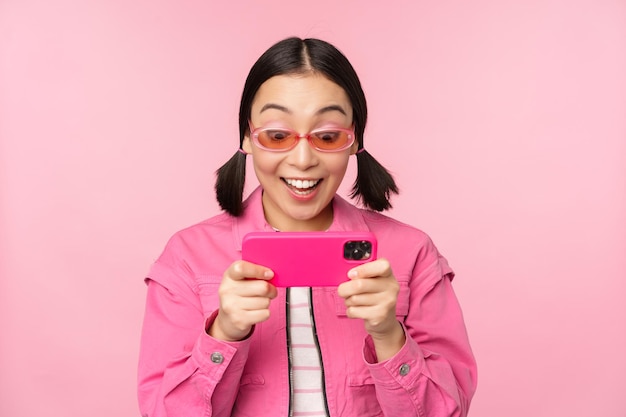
[{"x": 373, "y": 185}]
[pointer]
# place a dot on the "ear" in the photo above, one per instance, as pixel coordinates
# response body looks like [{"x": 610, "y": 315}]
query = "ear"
[
  {"x": 354, "y": 148},
  {"x": 247, "y": 145}
]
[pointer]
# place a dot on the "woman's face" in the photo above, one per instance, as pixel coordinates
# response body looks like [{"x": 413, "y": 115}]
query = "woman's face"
[{"x": 299, "y": 184}]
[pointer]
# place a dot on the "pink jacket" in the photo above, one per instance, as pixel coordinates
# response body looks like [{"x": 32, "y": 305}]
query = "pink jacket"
[{"x": 184, "y": 372}]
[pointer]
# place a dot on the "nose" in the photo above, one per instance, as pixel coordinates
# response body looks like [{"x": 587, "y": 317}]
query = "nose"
[{"x": 303, "y": 155}]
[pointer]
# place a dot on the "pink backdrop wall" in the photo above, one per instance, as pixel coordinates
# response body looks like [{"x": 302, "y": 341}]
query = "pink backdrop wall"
[{"x": 503, "y": 121}]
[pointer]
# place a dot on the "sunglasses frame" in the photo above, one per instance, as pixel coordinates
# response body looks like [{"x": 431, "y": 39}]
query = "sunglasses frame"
[{"x": 254, "y": 135}]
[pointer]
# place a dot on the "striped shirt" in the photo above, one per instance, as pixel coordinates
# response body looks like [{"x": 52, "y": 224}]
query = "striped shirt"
[{"x": 308, "y": 398}]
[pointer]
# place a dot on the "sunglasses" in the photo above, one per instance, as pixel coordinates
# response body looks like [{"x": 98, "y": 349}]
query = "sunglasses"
[{"x": 277, "y": 139}]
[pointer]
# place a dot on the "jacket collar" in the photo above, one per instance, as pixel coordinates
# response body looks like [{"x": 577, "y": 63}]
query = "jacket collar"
[{"x": 346, "y": 217}]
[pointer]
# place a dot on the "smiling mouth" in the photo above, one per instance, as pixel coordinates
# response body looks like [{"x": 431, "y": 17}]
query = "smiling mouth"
[{"x": 302, "y": 187}]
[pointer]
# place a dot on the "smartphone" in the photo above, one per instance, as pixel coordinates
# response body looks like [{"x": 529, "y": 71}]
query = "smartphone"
[{"x": 309, "y": 259}]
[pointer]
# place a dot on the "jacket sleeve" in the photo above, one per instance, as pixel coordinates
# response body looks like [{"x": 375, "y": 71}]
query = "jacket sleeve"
[
  {"x": 434, "y": 374},
  {"x": 182, "y": 370}
]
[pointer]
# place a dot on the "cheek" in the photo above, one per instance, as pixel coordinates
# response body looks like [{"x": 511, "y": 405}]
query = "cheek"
[
  {"x": 264, "y": 163},
  {"x": 338, "y": 165}
]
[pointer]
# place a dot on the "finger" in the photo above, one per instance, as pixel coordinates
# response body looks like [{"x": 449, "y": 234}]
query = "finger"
[
  {"x": 248, "y": 288},
  {"x": 257, "y": 288},
  {"x": 363, "y": 299},
  {"x": 373, "y": 315},
  {"x": 240, "y": 270},
  {"x": 377, "y": 268},
  {"x": 248, "y": 304},
  {"x": 359, "y": 286},
  {"x": 272, "y": 291},
  {"x": 370, "y": 292},
  {"x": 252, "y": 317},
  {"x": 367, "y": 313}
]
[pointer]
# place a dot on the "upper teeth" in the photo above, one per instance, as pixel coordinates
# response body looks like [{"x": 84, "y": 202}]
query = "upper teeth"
[{"x": 301, "y": 183}]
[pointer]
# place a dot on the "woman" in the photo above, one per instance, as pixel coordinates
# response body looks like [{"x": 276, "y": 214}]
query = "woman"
[{"x": 219, "y": 339}]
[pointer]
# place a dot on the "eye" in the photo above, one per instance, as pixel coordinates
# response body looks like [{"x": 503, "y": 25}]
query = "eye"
[
  {"x": 277, "y": 135},
  {"x": 329, "y": 136}
]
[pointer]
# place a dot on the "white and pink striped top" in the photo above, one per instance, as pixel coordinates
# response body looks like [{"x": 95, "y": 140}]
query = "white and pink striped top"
[{"x": 308, "y": 399}]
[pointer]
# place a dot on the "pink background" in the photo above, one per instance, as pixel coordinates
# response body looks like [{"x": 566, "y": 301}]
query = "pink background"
[{"x": 503, "y": 121}]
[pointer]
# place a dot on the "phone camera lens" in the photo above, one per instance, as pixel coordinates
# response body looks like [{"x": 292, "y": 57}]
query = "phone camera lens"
[
  {"x": 347, "y": 249},
  {"x": 357, "y": 254}
]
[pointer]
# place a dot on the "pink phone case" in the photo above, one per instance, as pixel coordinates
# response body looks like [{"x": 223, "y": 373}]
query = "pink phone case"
[{"x": 309, "y": 259}]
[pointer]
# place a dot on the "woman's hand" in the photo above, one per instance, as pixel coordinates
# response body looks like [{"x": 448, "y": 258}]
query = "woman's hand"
[
  {"x": 243, "y": 302},
  {"x": 371, "y": 295}
]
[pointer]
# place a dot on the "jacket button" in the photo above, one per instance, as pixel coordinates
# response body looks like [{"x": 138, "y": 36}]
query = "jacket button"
[
  {"x": 217, "y": 357},
  {"x": 404, "y": 369}
]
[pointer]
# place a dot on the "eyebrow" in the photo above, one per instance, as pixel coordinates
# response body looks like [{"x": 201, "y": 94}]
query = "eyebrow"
[{"x": 332, "y": 107}]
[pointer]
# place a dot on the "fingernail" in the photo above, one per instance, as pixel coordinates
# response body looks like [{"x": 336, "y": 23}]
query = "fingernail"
[
  {"x": 352, "y": 273},
  {"x": 268, "y": 274}
]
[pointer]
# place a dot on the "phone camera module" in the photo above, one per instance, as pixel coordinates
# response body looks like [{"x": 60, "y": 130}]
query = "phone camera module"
[{"x": 357, "y": 250}]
